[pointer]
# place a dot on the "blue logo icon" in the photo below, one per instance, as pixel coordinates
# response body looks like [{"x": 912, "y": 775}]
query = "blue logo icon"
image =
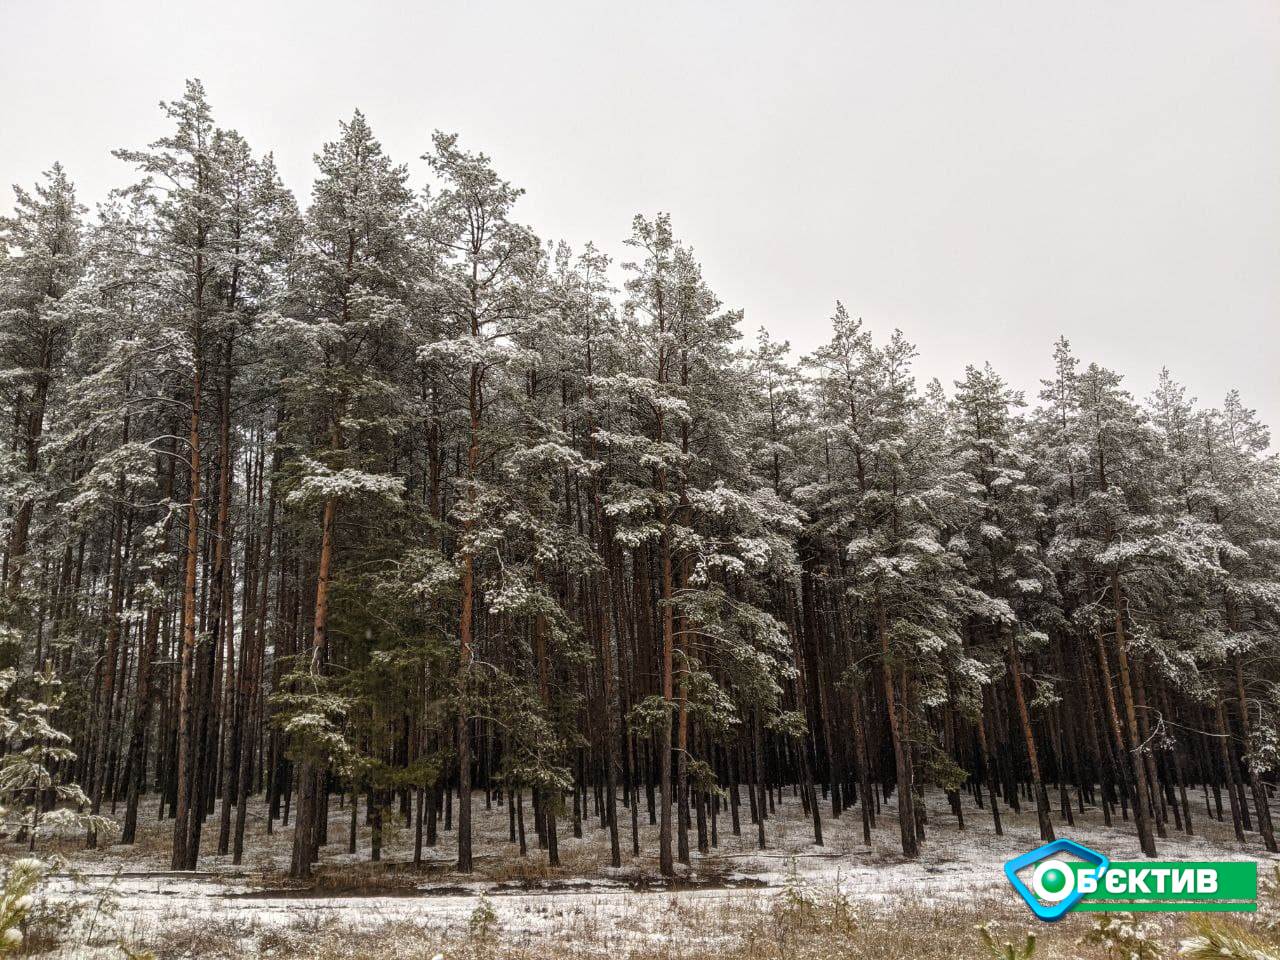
[{"x": 1053, "y": 889}]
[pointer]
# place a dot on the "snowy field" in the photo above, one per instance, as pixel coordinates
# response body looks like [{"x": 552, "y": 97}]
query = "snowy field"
[{"x": 129, "y": 896}]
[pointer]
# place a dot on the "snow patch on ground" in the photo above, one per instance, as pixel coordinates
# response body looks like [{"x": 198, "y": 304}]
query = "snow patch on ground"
[{"x": 584, "y": 899}]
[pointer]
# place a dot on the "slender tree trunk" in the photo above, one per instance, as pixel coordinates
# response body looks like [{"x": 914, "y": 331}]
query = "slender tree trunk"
[
  {"x": 665, "y": 860},
  {"x": 1259, "y": 790},
  {"x": 186, "y": 706},
  {"x": 1033, "y": 759},
  {"x": 902, "y": 759},
  {"x": 1141, "y": 801},
  {"x": 307, "y": 827},
  {"x": 254, "y": 664}
]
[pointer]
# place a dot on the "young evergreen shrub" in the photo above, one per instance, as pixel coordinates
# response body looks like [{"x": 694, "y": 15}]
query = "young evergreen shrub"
[
  {"x": 1219, "y": 938},
  {"x": 1006, "y": 950},
  {"x": 1122, "y": 937},
  {"x": 17, "y": 899}
]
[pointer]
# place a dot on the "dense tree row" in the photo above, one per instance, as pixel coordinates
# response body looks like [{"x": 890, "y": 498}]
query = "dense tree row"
[{"x": 390, "y": 501}]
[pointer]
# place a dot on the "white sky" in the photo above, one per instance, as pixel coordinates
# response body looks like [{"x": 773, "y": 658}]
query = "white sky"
[{"x": 983, "y": 175}]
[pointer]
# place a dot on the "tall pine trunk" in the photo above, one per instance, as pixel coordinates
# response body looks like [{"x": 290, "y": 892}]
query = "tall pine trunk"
[{"x": 901, "y": 754}]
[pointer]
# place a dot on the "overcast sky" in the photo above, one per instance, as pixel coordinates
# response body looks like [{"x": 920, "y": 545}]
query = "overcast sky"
[{"x": 983, "y": 175}]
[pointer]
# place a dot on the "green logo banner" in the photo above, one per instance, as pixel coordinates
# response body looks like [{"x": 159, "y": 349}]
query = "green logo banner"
[{"x": 1155, "y": 886}]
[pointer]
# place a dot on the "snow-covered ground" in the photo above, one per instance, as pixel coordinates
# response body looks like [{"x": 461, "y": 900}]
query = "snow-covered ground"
[{"x": 132, "y": 895}]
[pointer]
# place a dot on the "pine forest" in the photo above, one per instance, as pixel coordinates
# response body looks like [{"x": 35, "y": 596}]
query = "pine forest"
[{"x": 374, "y": 500}]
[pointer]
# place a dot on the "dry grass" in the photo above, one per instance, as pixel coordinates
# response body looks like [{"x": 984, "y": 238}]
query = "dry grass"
[{"x": 822, "y": 928}]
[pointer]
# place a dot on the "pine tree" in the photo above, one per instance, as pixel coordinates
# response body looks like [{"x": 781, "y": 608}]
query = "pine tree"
[
  {"x": 1000, "y": 546},
  {"x": 182, "y": 188},
  {"x": 343, "y": 402},
  {"x": 484, "y": 296},
  {"x": 45, "y": 259}
]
